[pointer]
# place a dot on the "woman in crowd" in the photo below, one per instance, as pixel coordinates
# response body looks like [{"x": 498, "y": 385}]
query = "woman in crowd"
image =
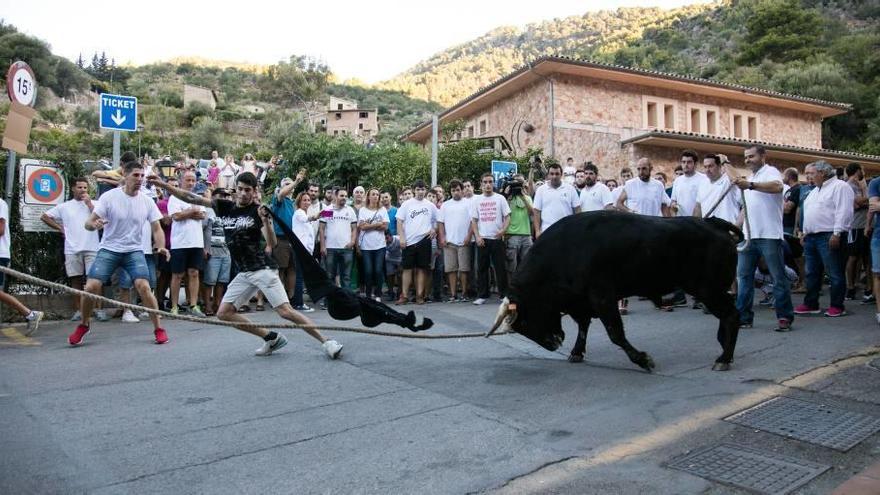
[{"x": 372, "y": 222}]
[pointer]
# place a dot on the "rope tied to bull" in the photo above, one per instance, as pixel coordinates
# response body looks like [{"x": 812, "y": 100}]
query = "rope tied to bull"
[{"x": 206, "y": 321}]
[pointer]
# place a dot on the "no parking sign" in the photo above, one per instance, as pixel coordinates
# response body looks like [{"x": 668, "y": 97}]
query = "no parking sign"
[{"x": 42, "y": 187}]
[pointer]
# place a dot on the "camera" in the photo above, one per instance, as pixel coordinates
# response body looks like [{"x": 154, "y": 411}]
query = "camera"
[{"x": 510, "y": 185}]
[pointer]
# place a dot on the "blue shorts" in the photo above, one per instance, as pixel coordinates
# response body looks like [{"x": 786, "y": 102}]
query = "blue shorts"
[
  {"x": 125, "y": 281},
  {"x": 218, "y": 270},
  {"x": 875, "y": 255},
  {"x": 133, "y": 264}
]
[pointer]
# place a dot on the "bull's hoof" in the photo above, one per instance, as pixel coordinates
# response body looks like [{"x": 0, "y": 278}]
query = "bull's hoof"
[
  {"x": 575, "y": 358},
  {"x": 721, "y": 367},
  {"x": 645, "y": 362}
]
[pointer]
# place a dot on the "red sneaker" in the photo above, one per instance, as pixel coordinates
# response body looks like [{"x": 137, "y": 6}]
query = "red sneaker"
[
  {"x": 783, "y": 325},
  {"x": 76, "y": 338},
  {"x": 803, "y": 309},
  {"x": 161, "y": 336},
  {"x": 834, "y": 312}
]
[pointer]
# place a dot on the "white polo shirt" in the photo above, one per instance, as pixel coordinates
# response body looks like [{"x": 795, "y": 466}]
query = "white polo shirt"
[
  {"x": 829, "y": 208},
  {"x": 728, "y": 208},
  {"x": 684, "y": 192},
  {"x": 555, "y": 203},
  {"x": 765, "y": 210},
  {"x": 596, "y": 197},
  {"x": 646, "y": 198}
]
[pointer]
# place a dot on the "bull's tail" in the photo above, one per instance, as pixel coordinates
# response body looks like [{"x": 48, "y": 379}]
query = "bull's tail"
[{"x": 727, "y": 227}]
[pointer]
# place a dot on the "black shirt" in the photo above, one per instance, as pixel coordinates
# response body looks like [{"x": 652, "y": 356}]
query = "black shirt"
[
  {"x": 788, "y": 219},
  {"x": 242, "y": 226}
]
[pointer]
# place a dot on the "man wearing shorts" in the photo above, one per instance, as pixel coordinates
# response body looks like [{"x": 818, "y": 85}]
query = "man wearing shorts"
[
  {"x": 873, "y": 226},
  {"x": 187, "y": 246},
  {"x": 121, "y": 213},
  {"x": 454, "y": 226},
  {"x": 80, "y": 245},
  {"x": 415, "y": 227},
  {"x": 245, "y": 222},
  {"x": 219, "y": 267}
]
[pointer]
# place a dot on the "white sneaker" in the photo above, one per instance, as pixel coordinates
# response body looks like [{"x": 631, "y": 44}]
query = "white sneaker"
[
  {"x": 76, "y": 316},
  {"x": 144, "y": 316},
  {"x": 271, "y": 346},
  {"x": 479, "y": 301},
  {"x": 332, "y": 348},
  {"x": 129, "y": 317},
  {"x": 101, "y": 315},
  {"x": 33, "y": 322}
]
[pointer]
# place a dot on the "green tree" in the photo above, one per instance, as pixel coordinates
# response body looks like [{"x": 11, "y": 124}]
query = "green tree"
[
  {"x": 780, "y": 30},
  {"x": 207, "y": 134}
]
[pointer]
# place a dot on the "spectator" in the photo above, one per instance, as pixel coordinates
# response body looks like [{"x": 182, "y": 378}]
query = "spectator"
[
  {"x": 415, "y": 227},
  {"x": 187, "y": 247},
  {"x": 372, "y": 222},
  {"x": 436, "y": 271},
  {"x": 248, "y": 164},
  {"x": 763, "y": 197},
  {"x": 872, "y": 226},
  {"x": 828, "y": 213},
  {"x": 393, "y": 256},
  {"x": 385, "y": 199},
  {"x": 439, "y": 195},
  {"x": 454, "y": 227},
  {"x": 580, "y": 181},
  {"x": 490, "y": 217},
  {"x": 338, "y": 231},
  {"x": 405, "y": 195},
  {"x": 554, "y": 200},
  {"x": 625, "y": 175},
  {"x": 314, "y": 213},
  {"x": 359, "y": 195},
  {"x": 594, "y": 195},
  {"x": 612, "y": 186},
  {"x": 568, "y": 173},
  {"x": 686, "y": 186},
  {"x": 32, "y": 317},
  {"x": 283, "y": 206},
  {"x": 163, "y": 266},
  {"x": 218, "y": 271},
  {"x": 643, "y": 194},
  {"x": 302, "y": 229},
  {"x": 80, "y": 245},
  {"x": 519, "y": 230},
  {"x": 716, "y": 187},
  {"x": 791, "y": 198},
  {"x": 858, "y": 246},
  {"x": 213, "y": 174}
]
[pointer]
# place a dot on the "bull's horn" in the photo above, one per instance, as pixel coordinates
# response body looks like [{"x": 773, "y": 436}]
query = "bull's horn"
[{"x": 503, "y": 311}]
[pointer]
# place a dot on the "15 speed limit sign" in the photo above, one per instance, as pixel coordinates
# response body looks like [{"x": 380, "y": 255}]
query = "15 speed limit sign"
[{"x": 21, "y": 84}]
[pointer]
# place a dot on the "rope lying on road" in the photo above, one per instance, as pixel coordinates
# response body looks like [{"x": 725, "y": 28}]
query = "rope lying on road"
[{"x": 206, "y": 321}]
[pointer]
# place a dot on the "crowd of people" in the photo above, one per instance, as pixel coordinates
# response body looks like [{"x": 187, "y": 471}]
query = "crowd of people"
[{"x": 147, "y": 236}]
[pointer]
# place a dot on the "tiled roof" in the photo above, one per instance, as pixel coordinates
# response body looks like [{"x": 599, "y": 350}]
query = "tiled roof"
[
  {"x": 637, "y": 71},
  {"x": 747, "y": 142}
]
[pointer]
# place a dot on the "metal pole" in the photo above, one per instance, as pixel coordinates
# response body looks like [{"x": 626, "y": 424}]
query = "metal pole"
[
  {"x": 10, "y": 177},
  {"x": 434, "y": 127},
  {"x": 115, "y": 149}
]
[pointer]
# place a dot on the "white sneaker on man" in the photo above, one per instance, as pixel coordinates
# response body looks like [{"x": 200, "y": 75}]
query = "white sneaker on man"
[
  {"x": 271, "y": 346},
  {"x": 479, "y": 301},
  {"x": 332, "y": 348},
  {"x": 76, "y": 316},
  {"x": 129, "y": 317},
  {"x": 101, "y": 315},
  {"x": 33, "y": 322}
]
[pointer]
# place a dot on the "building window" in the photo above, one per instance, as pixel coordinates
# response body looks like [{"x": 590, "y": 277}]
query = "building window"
[
  {"x": 364, "y": 115},
  {"x": 470, "y": 131},
  {"x": 482, "y": 127},
  {"x": 360, "y": 125},
  {"x": 338, "y": 115},
  {"x": 659, "y": 113},
  {"x": 703, "y": 119},
  {"x": 335, "y": 133},
  {"x": 339, "y": 106},
  {"x": 745, "y": 125}
]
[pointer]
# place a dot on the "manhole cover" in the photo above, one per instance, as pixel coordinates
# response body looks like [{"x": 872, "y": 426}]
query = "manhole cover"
[
  {"x": 747, "y": 468},
  {"x": 824, "y": 425}
]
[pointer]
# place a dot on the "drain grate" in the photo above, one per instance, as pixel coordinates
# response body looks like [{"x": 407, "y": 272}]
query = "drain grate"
[
  {"x": 819, "y": 424},
  {"x": 748, "y": 468}
]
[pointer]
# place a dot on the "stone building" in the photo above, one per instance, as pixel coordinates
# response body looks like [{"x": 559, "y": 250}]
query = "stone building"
[
  {"x": 192, "y": 93},
  {"x": 343, "y": 117},
  {"x": 612, "y": 115}
]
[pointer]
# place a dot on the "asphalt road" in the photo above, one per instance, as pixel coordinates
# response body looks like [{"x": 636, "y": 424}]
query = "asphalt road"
[{"x": 202, "y": 414}]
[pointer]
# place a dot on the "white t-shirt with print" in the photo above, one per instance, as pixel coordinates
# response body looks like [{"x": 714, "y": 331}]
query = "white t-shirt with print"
[
  {"x": 765, "y": 210},
  {"x": 72, "y": 215},
  {"x": 595, "y": 198},
  {"x": 555, "y": 203},
  {"x": 456, "y": 219},
  {"x": 418, "y": 219},
  {"x": 489, "y": 212},
  {"x": 4, "y": 239},
  {"x": 646, "y": 198},
  {"x": 185, "y": 233},
  {"x": 125, "y": 216},
  {"x": 370, "y": 240},
  {"x": 684, "y": 192},
  {"x": 303, "y": 230},
  {"x": 337, "y": 228}
]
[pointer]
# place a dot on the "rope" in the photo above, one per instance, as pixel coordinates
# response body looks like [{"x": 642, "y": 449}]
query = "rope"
[
  {"x": 746, "y": 232},
  {"x": 134, "y": 307}
]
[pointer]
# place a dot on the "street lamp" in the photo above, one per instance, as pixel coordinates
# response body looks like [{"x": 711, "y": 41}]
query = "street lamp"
[{"x": 139, "y": 129}]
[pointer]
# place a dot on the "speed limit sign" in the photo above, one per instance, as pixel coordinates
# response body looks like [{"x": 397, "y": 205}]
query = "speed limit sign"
[{"x": 21, "y": 85}]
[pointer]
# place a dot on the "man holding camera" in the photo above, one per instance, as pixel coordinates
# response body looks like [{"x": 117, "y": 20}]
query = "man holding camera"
[{"x": 519, "y": 231}]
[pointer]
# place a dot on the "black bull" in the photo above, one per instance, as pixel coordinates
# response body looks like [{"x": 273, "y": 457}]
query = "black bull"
[{"x": 585, "y": 263}]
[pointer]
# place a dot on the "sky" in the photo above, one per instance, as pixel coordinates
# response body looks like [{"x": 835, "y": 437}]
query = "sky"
[{"x": 372, "y": 41}]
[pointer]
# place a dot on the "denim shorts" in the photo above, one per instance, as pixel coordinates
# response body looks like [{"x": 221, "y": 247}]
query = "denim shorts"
[
  {"x": 218, "y": 270},
  {"x": 121, "y": 276},
  {"x": 875, "y": 255},
  {"x": 134, "y": 264}
]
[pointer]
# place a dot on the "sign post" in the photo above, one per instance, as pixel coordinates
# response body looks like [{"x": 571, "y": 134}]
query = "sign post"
[
  {"x": 42, "y": 187},
  {"x": 21, "y": 86},
  {"x": 118, "y": 113},
  {"x": 501, "y": 169}
]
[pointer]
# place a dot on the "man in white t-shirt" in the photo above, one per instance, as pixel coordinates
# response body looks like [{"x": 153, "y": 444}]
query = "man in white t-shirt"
[
  {"x": 490, "y": 216},
  {"x": 718, "y": 186},
  {"x": 569, "y": 171},
  {"x": 644, "y": 195},
  {"x": 32, "y": 317},
  {"x": 121, "y": 213},
  {"x": 594, "y": 196},
  {"x": 554, "y": 200},
  {"x": 338, "y": 233},
  {"x": 415, "y": 227},
  {"x": 80, "y": 245},
  {"x": 187, "y": 246},
  {"x": 454, "y": 228},
  {"x": 763, "y": 198},
  {"x": 687, "y": 185}
]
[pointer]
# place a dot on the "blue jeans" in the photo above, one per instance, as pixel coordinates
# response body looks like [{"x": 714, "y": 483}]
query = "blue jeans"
[
  {"x": 747, "y": 262},
  {"x": 339, "y": 262},
  {"x": 374, "y": 271},
  {"x": 819, "y": 257},
  {"x": 134, "y": 264}
]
